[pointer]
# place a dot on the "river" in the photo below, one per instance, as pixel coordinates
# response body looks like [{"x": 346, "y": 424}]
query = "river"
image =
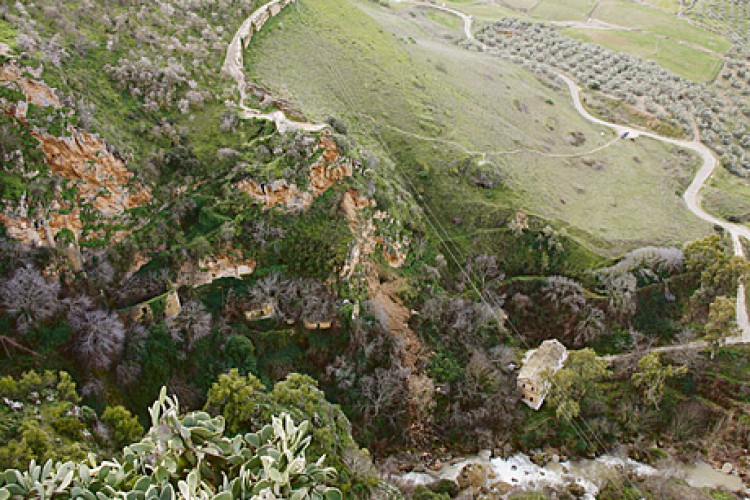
[{"x": 586, "y": 476}]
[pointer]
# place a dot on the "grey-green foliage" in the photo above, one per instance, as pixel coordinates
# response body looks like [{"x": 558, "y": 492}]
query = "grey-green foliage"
[
  {"x": 642, "y": 266},
  {"x": 187, "y": 457},
  {"x": 650, "y": 264}
]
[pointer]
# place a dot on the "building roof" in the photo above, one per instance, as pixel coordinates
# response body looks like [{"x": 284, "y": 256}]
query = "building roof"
[{"x": 549, "y": 356}]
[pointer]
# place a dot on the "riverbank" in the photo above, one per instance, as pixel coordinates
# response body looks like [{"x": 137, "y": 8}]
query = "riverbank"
[{"x": 583, "y": 478}]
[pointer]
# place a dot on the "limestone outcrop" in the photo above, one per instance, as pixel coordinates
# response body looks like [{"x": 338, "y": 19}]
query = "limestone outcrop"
[
  {"x": 214, "y": 268},
  {"x": 100, "y": 178},
  {"x": 36, "y": 92},
  {"x": 324, "y": 173},
  {"x": 372, "y": 229}
]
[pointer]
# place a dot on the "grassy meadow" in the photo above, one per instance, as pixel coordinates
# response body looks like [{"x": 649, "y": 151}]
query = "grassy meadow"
[
  {"x": 692, "y": 63},
  {"x": 650, "y": 20},
  {"x": 441, "y": 112},
  {"x": 728, "y": 196},
  {"x": 563, "y": 10}
]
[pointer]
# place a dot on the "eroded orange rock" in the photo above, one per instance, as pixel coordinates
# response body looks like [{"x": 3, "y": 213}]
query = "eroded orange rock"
[
  {"x": 352, "y": 203},
  {"x": 323, "y": 176},
  {"x": 36, "y": 92},
  {"x": 366, "y": 237},
  {"x": 277, "y": 193},
  {"x": 329, "y": 169},
  {"x": 100, "y": 177},
  {"x": 41, "y": 233}
]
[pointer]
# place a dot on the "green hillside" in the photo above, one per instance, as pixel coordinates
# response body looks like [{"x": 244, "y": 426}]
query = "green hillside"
[
  {"x": 434, "y": 106},
  {"x": 374, "y": 249}
]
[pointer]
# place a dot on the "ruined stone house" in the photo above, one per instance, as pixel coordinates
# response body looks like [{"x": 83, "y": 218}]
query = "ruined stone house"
[
  {"x": 538, "y": 365},
  {"x": 261, "y": 311},
  {"x": 319, "y": 325},
  {"x": 143, "y": 311},
  {"x": 210, "y": 269},
  {"x": 173, "y": 305}
]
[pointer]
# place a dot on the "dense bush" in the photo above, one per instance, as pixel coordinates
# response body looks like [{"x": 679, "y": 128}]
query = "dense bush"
[
  {"x": 157, "y": 54},
  {"x": 40, "y": 420},
  {"x": 188, "y": 457}
]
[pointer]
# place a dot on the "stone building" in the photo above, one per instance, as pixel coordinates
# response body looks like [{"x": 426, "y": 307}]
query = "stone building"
[
  {"x": 538, "y": 365},
  {"x": 263, "y": 310},
  {"x": 319, "y": 325},
  {"x": 172, "y": 304}
]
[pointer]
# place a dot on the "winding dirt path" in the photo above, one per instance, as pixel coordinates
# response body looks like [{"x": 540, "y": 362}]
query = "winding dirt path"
[
  {"x": 692, "y": 195},
  {"x": 234, "y": 67},
  {"x": 485, "y": 153}
]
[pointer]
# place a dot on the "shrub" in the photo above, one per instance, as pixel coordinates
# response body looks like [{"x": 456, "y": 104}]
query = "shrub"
[
  {"x": 123, "y": 425},
  {"x": 188, "y": 457}
]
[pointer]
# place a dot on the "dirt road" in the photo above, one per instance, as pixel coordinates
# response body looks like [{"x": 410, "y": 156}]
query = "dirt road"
[{"x": 692, "y": 195}]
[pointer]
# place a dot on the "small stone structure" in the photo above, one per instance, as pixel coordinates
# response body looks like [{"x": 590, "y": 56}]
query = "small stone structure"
[
  {"x": 320, "y": 325},
  {"x": 173, "y": 306},
  {"x": 263, "y": 311},
  {"x": 213, "y": 268},
  {"x": 143, "y": 312},
  {"x": 539, "y": 364}
]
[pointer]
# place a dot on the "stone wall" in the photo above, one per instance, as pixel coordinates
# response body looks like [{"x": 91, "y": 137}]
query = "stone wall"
[{"x": 260, "y": 17}]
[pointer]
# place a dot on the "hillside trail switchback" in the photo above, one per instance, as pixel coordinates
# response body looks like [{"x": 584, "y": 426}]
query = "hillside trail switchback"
[
  {"x": 234, "y": 68},
  {"x": 692, "y": 195}
]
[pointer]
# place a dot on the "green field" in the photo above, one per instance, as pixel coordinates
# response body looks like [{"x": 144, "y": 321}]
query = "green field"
[
  {"x": 444, "y": 18},
  {"x": 667, "y": 5},
  {"x": 728, "y": 196},
  {"x": 563, "y": 10},
  {"x": 430, "y": 102},
  {"x": 693, "y": 64},
  {"x": 513, "y": 4},
  {"x": 644, "y": 18},
  {"x": 489, "y": 12}
]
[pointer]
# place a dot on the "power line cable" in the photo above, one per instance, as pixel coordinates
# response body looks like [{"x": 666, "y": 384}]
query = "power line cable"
[{"x": 443, "y": 236}]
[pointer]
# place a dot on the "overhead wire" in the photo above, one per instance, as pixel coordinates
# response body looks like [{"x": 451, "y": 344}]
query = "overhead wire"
[{"x": 453, "y": 250}]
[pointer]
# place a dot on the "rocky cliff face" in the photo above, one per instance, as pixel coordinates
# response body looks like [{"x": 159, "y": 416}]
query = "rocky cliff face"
[
  {"x": 372, "y": 230},
  {"x": 353, "y": 205},
  {"x": 214, "y": 268},
  {"x": 99, "y": 178},
  {"x": 36, "y": 92},
  {"x": 324, "y": 173}
]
